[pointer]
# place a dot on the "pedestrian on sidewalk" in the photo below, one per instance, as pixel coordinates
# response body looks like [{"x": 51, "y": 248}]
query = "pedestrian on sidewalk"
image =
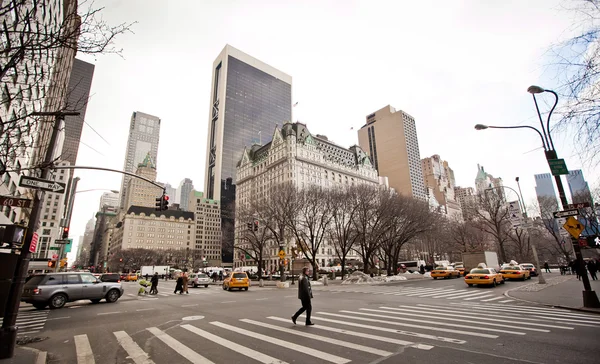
[
  {"x": 547, "y": 267},
  {"x": 592, "y": 268},
  {"x": 305, "y": 296},
  {"x": 179, "y": 285},
  {"x": 185, "y": 283},
  {"x": 154, "y": 281},
  {"x": 422, "y": 269}
]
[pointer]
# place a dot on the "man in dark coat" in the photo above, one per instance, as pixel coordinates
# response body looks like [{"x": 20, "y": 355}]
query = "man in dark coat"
[
  {"x": 305, "y": 295},
  {"x": 592, "y": 268},
  {"x": 154, "y": 281}
]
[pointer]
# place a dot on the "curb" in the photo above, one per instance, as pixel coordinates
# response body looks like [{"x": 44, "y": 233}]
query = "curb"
[
  {"x": 579, "y": 309},
  {"x": 41, "y": 355}
]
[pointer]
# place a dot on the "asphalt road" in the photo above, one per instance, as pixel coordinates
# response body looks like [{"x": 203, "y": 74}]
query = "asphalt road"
[{"x": 416, "y": 321}]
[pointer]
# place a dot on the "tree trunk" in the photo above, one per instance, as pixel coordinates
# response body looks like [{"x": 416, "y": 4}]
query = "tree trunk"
[{"x": 343, "y": 263}]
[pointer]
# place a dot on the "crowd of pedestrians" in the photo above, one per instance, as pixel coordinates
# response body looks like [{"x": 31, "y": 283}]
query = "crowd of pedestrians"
[{"x": 573, "y": 267}]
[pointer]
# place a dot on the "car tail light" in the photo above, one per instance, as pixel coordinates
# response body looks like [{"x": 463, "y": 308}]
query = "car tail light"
[
  {"x": 37, "y": 291},
  {"x": 486, "y": 277},
  {"x": 118, "y": 281},
  {"x": 468, "y": 277}
]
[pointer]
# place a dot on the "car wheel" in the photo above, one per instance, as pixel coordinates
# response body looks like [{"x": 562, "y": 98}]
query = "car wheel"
[
  {"x": 470, "y": 284},
  {"x": 224, "y": 288},
  {"x": 502, "y": 281},
  {"x": 229, "y": 288},
  {"x": 435, "y": 277},
  {"x": 195, "y": 285},
  {"x": 58, "y": 301},
  {"x": 524, "y": 278},
  {"x": 494, "y": 283},
  {"x": 112, "y": 296},
  {"x": 40, "y": 306},
  {"x": 206, "y": 286},
  {"x": 95, "y": 300},
  {"x": 246, "y": 288}
]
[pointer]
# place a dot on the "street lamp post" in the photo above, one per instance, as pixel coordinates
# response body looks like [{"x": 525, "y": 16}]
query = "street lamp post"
[{"x": 589, "y": 296}]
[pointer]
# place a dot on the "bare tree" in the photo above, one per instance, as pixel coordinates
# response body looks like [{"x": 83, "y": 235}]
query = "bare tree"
[
  {"x": 547, "y": 223},
  {"x": 466, "y": 236},
  {"x": 342, "y": 232},
  {"x": 491, "y": 216},
  {"x": 309, "y": 225},
  {"x": 578, "y": 63},
  {"x": 35, "y": 57},
  {"x": 519, "y": 246},
  {"x": 253, "y": 234},
  {"x": 133, "y": 259}
]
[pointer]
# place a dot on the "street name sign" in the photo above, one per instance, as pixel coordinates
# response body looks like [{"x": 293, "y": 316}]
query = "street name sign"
[
  {"x": 34, "y": 241},
  {"x": 61, "y": 241},
  {"x": 566, "y": 213},
  {"x": 558, "y": 167},
  {"x": 574, "y": 227},
  {"x": 581, "y": 205},
  {"x": 14, "y": 202},
  {"x": 514, "y": 213},
  {"x": 42, "y": 184}
]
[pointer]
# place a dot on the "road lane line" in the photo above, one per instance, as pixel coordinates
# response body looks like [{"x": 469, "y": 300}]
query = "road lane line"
[
  {"x": 453, "y": 296},
  {"x": 83, "y": 350},
  {"x": 181, "y": 349},
  {"x": 191, "y": 305},
  {"x": 320, "y": 338},
  {"x": 263, "y": 358},
  {"x": 132, "y": 348},
  {"x": 145, "y": 309},
  {"x": 58, "y": 318},
  {"x": 492, "y": 299},
  {"x": 547, "y": 315},
  {"x": 360, "y": 334},
  {"x": 478, "y": 297},
  {"x": 286, "y": 344},
  {"x": 27, "y": 332},
  {"x": 506, "y": 301},
  {"x": 465, "y": 310},
  {"x": 108, "y": 313},
  {"x": 388, "y": 322},
  {"x": 228, "y": 301},
  {"x": 262, "y": 299},
  {"x": 28, "y": 321},
  {"x": 539, "y": 310},
  {"x": 437, "y": 323},
  {"x": 461, "y": 318},
  {"x": 436, "y": 294},
  {"x": 296, "y": 296}
]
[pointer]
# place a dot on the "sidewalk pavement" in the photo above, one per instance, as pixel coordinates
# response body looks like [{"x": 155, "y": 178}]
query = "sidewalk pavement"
[
  {"x": 24, "y": 355},
  {"x": 559, "y": 291}
]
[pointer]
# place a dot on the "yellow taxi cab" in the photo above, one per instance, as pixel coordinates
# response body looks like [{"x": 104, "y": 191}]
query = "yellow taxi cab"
[
  {"x": 132, "y": 277},
  {"x": 514, "y": 271},
  {"x": 238, "y": 280},
  {"x": 444, "y": 272},
  {"x": 460, "y": 268},
  {"x": 483, "y": 275}
]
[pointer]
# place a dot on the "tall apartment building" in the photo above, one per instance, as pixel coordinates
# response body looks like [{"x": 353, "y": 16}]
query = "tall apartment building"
[
  {"x": 85, "y": 243},
  {"x": 144, "y": 135},
  {"x": 109, "y": 199},
  {"x": 467, "y": 199},
  {"x": 172, "y": 193},
  {"x": 37, "y": 83},
  {"x": 295, "y": 155},
  {"x": 140, "y": 192},
  {"x": 185, "y": 188},
  {"x": 106, "y": 220},
  {"x": 439, "y": 179},
  {"x": 248, "y": 98},
  {"x": 78, "y": 94},
  {"x": 485, "y": 181},
  {"x": 546, "y": 194},
  {"x": 208, "y": 227},
  {"x": 580, "y": 191},
  {"x": 390, "y": 139},
  {"x": 53, "y": 209}
]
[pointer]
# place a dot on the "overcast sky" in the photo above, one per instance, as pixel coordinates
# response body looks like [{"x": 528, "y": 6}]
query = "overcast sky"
[{"x": 450, "y": 64}]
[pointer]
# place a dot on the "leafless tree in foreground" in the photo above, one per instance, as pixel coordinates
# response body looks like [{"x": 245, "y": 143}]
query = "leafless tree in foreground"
[{"x": 342, "y": 233}]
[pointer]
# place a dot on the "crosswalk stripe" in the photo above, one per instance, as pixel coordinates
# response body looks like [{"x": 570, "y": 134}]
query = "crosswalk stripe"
[
  {"x": 465, "y": 310},
  {"x": 478, "y": 297},
  {"x": 506, "y": 301},
  {"x": 400, "y": 332},
  {"x": 27, "y": 332},
  {"x": 286, "y": 344},
  {"x": 362, "y": 335},
  {"x": 437, "y": 323},
  {"x": 434, "y": 294},
  {"x": 431, "y": 314},
  {"x": 492, "y": 299},
  {"x": 263, "y": 358},
  {"x": 461, "y": 295},
  {"x": 468, "y": 333},
  {"x": 428, "y": 291},
  {"x": 25, "y": 321},
  {"x": 534, "y": 311},
  {"x": 83, "y": 350},
  {"x": 181, "y": 349},
  {"x": 132, "y": 348},
  {"x": 345, "y": 344}
]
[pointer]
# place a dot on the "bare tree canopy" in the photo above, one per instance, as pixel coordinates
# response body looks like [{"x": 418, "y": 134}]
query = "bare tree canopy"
[
  {"x": 342, "y": 233},
  {"x": 578, "y": 63}
]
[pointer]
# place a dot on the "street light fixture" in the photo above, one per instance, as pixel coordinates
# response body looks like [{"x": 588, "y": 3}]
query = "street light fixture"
[{"x": 535, "y": 89}]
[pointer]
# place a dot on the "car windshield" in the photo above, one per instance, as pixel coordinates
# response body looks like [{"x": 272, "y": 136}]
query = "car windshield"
[
  {"x": 527, "y": 265},
  {"x": 510, "y": 267},
  {"x": 202, "y": 275},
  {"x": 458, "y": 266},
  {"x": 35, "y": 280},
  {"x": 480, "y": 271},
  {"x": 239, "y": 275},
  {"x": 440, "y": 268}
]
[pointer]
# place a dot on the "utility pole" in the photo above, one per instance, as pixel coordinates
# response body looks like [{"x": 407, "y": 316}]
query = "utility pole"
[{"x": 8, "y": 331}]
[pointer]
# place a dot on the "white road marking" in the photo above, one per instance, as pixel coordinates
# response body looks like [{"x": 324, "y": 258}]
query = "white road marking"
[
  {"x": 505, "y": 301},
  {"x": 145, "y": 309},
  {"x": 108, "y": 313},
  {"x": 286, "y": 344},
  {"x": 132, "y": 348},
  {"x": 181, "y": 349},
  {"x": 478, "y": 297},
  {"x": 469, "y": 333},
  {"x": 27, "y": 332},
  {"x": 234, "y": 346},
  {"x": 320, "y": 338},
  {"x": 164, "y": 294},
  {"x": 28, "y": 321},
  {"x": 437, "y": 294},
  {"x": 400, "y": 332},
  {"x": 192, "y": 305},
  {"x": 147, "y": 299},
  {"x": 59, "y": 318},
  {"x": 492, "y": 299},
  {"x": 466, "y": 310},
  {"x": 131, "y": 294},
  {"x": 463, "y": 295},
  {"x": 228, "y": 301},
  {"x": 437, "y": 323},
  {"x": 360, "y": 334},
  {"x": 41, "y": 358},
  {"x": 296, "y": 296},
  {"x": 83, "y": 349},
  {"x": 262, "y": 299},
  {"x": 542, "y": 310},
  {"x": 486, "y": 319}
]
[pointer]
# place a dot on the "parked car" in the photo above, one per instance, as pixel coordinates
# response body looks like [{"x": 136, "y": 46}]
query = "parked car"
[
  {"x": 533, "y": 272},
  {"x": 111, "y": 277},
  {"x": 512, "y": 271},
  {"x": 444, "y": 272},
  {"x": 131, "y": 277},
  {"x": 198, "y": 279},
  {"x": 483, "y": 276},
  {"x": 56, "y": 289},
  {"x": 238, "y": 280}
]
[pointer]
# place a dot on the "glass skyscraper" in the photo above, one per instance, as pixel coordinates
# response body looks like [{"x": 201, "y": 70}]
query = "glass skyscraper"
[{"x": 248, "y": 99}]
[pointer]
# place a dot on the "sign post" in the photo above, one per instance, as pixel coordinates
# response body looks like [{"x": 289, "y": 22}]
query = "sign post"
[{"x": 558, "y": 167}]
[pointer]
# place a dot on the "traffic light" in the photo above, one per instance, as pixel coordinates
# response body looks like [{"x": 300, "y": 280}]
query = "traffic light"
[
  {"x": 249, "y": 226},
  {"x": 51, "y": 264},
  {"x": 65, "y": 233},
  {"x": 255, "y": 225},
  {"x": 158, "y": 204},
  {"x": 162, "y": 203}
]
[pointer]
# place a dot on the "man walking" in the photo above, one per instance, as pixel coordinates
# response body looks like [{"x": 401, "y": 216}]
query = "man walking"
[
  {"x": 154, "y": 281},
  {"x": 305, "y": 295},
  {"x": 547, "y": 267}
]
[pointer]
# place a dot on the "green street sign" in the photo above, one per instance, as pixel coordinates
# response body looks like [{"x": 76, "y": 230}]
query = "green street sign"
[
  {"x": 54, "y": 248},
  {"x": 68, "y": 245},
  {"x": 558, "y": 167}
]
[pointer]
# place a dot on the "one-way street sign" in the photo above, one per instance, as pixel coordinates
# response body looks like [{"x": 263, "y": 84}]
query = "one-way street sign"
[
  {"x": 566, "y": 213},
  {"x": 42, "y": 184}
]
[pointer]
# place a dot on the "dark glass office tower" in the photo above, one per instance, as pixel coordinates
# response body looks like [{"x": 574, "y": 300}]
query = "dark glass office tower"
[{"x": 248, "y": 99}]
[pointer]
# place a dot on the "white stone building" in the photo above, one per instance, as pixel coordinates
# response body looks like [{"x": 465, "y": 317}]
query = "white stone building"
[
  {"x": 295, "y": 155},
  {"x": 208, "y": 227}
]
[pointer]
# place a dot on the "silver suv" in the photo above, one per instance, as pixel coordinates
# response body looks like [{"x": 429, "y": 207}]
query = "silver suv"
[
  {"x": 198, "y": 279},
  {"x": 56, "y": 289}
]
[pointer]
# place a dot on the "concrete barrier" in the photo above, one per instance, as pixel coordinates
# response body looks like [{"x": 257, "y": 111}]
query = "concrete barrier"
[{"x": 283, "y": 284}]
